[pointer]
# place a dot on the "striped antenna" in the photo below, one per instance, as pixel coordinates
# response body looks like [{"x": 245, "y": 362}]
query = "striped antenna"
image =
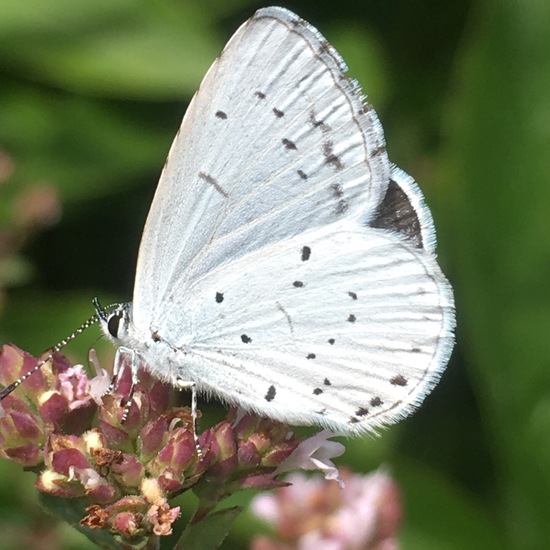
[{"x": 91, "y": 321}]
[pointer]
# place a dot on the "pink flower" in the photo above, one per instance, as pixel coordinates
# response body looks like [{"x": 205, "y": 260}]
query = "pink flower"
[
  {"x": 316, "y": 514},
  {"x": 161, "y": 517},
  {"x": 134, "y": 517},
  {"x": 315, "y": 453},
  {"x": 73, "y": 385},
  {"x": 100, "y": 384}
]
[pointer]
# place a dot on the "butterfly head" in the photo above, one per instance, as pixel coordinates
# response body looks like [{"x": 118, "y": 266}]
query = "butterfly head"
[{"x": 114, "y": 321}]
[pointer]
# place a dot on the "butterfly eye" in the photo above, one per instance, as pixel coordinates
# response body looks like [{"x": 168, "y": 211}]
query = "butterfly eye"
[{"x": 113, "y": 324}]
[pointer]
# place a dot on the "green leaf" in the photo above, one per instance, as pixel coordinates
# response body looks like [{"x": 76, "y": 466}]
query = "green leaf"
[
  {"x": 209, "y": 533},
  {"x": 116, "y": 49},
  {"x": 440, "y": 514},
  {"x": 86, "y": 148},
  {"x": 498, "y": 165},
  {"x": 36, "y": 321}
]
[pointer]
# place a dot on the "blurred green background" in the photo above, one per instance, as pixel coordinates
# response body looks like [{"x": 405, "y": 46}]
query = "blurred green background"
[{"x": 91, "y": 95}]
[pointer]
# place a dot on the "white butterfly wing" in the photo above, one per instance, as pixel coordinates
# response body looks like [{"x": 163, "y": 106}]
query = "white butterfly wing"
[
  {"x": 345, "y": 326},
  {"x": 285, "y": 265},
  {"x": 275, "y": 142}
]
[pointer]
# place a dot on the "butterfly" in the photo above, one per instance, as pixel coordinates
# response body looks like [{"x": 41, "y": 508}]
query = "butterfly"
[{"x": 286, "y": 266}]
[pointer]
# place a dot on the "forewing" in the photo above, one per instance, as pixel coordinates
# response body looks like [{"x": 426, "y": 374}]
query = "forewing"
[{"x": 277, "y": 141}]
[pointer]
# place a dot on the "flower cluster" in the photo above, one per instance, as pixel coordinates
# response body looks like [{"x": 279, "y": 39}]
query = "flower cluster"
[
  {"x": 53, "y": 400},
  {"x": 313, "y": 513},
  {"x": 125, "y": 472}
]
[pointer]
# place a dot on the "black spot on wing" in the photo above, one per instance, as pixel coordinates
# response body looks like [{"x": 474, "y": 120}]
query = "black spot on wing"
[
  {"x": 318, "y": 123},
  {"x": 246, "y": 339},
  {"x": 338, "y": 193},
  {"x": 324, "y": 47},
  {"x": 310, "y": 356},
  {"x": 298, "y": 284},
  {"x": 277, "y": 113},
  {"x": 221, "y": 114},
  {"x": 366, "y": 109},
  {"x": 331, "y": 341},
  {"x": 378, "y": 151},
  {"x": 398, "y": 380},
  {"x": 327, "y": 382},
  {"x": 317, "y": 391},
  {"x": 341, "y": 207},
  {"x": 306, "y": 253},
  {"x": 352, "y": 318},
  {"x": 337, "y": 190},
  {"x": 376, "y": 402},
  {"x": 289, "y": 144},
  {"x": 259, "y": 95},
  {"x": 270, "y": 395},
  {"x": 302, "y": 174},
  {"x": 330, "y": 157},
  {"x": 352, "y": 295},
  {"x": 219, "y": 297},
  {"x": 362, "y": 411}
]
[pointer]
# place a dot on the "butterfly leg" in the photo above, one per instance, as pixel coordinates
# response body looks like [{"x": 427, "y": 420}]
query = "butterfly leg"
[
  {"x": 135, "y": 379},
  {"x": 186, "y": 385},
  {"x": 119, "y": 359},
  {"x": 118, "y": 371}
]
